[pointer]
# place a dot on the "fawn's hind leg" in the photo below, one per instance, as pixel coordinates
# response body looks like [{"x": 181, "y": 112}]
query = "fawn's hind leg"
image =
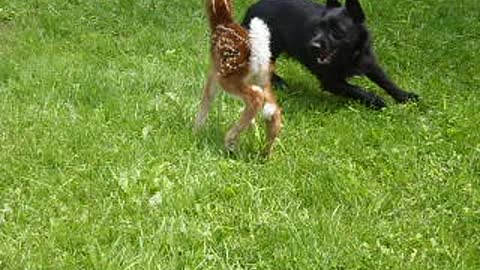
[
  {"x": 253, "y": 98},
  {"x": 208, "y": 96},
  {"x": 273, "y": 118}
]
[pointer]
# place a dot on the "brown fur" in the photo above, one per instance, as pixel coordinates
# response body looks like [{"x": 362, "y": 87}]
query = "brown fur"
[
  {"x": 219, "y": 12},
  {"x": 230, "y": 52}
]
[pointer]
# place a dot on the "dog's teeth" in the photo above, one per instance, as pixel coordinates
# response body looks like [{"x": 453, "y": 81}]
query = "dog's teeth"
[{"x": 323, "y": 61}]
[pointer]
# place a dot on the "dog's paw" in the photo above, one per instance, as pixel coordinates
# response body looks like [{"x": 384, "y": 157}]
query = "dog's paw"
[
  {"x": 376, "y": 102},
  {"x": 410, "y": 97},
  {"x": 407, "y": 97},
  {"x": 279, "y": 83}
]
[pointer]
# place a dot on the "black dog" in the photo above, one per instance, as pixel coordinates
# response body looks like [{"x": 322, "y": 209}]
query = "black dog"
[{"x": 331, "y": 41}]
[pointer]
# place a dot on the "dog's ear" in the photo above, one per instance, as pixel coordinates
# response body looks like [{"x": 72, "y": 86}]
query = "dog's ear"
[
  {"x": 333, "y": 4},
  {"x": 355, "y": 11}
]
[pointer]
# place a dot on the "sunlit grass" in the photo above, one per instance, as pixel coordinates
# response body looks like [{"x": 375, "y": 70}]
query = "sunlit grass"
[{"x": 99, "y": 169}]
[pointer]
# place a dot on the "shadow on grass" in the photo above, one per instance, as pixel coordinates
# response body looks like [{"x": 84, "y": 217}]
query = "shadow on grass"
[
  {"x": 211, "y": 137},
  {"x": 302, "y": 97}
]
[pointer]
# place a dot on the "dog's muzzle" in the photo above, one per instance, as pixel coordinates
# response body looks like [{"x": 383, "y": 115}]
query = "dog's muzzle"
[{"x": 323, "y": 55}]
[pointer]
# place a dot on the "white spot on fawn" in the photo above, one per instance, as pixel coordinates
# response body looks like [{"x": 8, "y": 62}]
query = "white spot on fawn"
[
  {"x": 269, "y": 110},
  {"x": 257, "y": 88}
]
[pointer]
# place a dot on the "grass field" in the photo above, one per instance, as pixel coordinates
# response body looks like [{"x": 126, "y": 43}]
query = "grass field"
[{"x": 99, "y": 169}]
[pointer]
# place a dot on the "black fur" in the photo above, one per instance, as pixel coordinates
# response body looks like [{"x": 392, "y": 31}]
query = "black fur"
[{"x": 332, "y": 41}]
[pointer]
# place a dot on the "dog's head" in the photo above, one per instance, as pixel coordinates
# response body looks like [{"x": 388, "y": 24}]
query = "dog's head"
[{"x": 337, "y": 32}]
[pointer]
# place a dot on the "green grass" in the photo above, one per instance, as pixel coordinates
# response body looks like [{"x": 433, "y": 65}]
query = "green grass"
[{"x": 99, "y": 169}]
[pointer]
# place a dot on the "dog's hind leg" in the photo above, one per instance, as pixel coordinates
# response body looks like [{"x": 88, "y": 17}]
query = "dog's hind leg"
[
  {"x": 275, "y": 80},
  {"x": 253, "y": 98},
  {"x": 208, "y": 96}
]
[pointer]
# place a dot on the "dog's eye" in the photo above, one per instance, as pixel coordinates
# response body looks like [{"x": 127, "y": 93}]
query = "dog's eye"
[
  {"x": 320, "y": 26},
  {"x": 336, "y": 30},
  {"x": 338, "y": 33}
]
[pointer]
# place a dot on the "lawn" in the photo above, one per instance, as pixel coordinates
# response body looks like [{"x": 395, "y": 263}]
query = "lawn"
[{"x": 99, "y": 168}]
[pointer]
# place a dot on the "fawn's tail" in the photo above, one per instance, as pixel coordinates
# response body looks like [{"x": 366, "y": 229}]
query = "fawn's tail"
[{"x": 219, "y": 12}]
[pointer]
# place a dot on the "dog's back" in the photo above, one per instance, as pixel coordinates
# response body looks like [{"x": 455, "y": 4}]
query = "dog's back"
[{"x": 283, "y": 18}]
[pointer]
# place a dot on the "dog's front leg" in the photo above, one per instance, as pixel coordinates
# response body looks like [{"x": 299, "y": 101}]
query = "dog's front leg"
[
  {"x": 343, "y": 88},
  {"x": 378, "y": 76},
  {"x": 278, "y": 82}
]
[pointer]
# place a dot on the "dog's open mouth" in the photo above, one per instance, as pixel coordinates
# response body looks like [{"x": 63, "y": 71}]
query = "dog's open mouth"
[{"x": 325, "y": 57}]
